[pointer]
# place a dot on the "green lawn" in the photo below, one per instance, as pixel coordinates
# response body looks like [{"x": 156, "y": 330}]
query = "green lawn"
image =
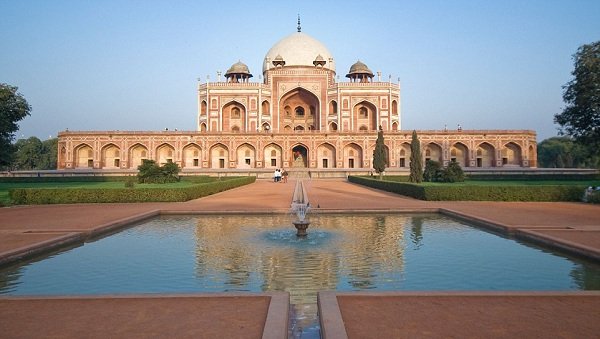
[{"x": 4, "y": 187}]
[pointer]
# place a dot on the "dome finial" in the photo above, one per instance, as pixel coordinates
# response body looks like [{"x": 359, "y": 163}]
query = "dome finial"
[{"x": 299, "y": 28}]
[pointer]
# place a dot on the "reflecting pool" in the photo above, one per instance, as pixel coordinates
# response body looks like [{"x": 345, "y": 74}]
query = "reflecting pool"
[{"x": 210, "y": 253}]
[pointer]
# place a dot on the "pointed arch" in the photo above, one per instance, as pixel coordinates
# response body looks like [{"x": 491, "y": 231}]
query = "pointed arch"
[
  {"x": 110, "y": 156},
  {"x": 365, "y": 114},
  {"x": 485, "y": 155},
  {"x": 404, "y": 155},
  {"x": 203, "y": 108},
  {"x": 165, "y": 153},
  {"x": 333, "y": 127},
  {"x": 84, "y": 154},
  {"x": 219, "y": 156},
  {"x": 394, "y": 107},
  {"x": 203, "y": 127},
  {"x": 137, "y": 153},
  {"x": 333, "y": 107},
  {"x": 459, "y": 152},
  {"x": 272, "y": 156},
  {"x": 300, "y": 155},
  {"x": 266, "y": 107},
  {"x": 326, "y": 155},
  {"x": 511, "y": 154},
  {"x": 353, "y": 156},
  {"x": 192, "y": 155},
  {"x": 301, "y": 108},
  {"x": 234, "y": 115},
  {"x": 433, "y": 151},
  {"x": 246, "y": 156}
]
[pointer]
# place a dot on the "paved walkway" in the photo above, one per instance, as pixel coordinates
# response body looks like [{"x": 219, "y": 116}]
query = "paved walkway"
[{"x": 26, "y": 230}]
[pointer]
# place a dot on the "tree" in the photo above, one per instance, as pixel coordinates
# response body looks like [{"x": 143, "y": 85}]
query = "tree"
[
  {"x": 27, "y": 154},
  {"x": 13, "y": 108},
  {"x": 581, "y": 116},
  {"x": 416, "y": 164},
  {"x": 34, "y": 154},
  {"x": 379, "y": 155},
  {"x": 49, "y": 154},
  {"x": 561, "y": 152}
]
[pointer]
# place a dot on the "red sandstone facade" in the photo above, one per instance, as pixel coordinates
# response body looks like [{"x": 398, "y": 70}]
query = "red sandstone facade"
[{"x": 299, "y": 115}]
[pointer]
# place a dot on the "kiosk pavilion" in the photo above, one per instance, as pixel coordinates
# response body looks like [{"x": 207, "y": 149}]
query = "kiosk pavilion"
[{"x": 299, "y": 115}]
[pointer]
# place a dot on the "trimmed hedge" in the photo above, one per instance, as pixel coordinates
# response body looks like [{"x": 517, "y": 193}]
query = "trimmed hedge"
[
  {"x": 195, "y": 178},
  {"x": 36, "y": 196},
  {"x": 534, "y": 177},
  {"x": 64, "y": 179},
  {"x": 458, "y": 192}
]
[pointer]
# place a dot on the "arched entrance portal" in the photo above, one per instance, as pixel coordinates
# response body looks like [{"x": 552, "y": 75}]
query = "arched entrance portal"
[
  {"x": 299, "y": 156},
  {"x": 301, "y": 109}
]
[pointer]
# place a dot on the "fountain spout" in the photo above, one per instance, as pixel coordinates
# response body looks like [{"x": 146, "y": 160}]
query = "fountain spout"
[{"x": 300, "y": 206}]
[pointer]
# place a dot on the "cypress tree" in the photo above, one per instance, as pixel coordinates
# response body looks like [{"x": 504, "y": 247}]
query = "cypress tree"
[
  {"x": 379, "y": 155},
  {"x": 416, "y": 165}
]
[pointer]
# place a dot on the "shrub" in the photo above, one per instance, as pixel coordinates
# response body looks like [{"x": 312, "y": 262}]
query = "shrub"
[
  {"x": 452, "y": 173},
  {"x": 33, "y": 196},
  {"x": 433, "y": 171},
  {"x": 151, "y": 173}
]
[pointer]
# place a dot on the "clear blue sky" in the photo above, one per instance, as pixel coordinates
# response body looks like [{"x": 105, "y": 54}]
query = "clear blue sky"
[{"x": 134, "y": 65}]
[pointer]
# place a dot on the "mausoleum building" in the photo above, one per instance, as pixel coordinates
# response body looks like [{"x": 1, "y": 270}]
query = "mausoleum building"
[{"x": 299, "y": 113}]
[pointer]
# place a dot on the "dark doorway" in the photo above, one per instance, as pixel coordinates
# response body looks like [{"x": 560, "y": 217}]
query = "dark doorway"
[{"x": 299, "y": 156}]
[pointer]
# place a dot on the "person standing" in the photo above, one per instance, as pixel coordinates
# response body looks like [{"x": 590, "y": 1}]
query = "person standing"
[
  {"x": 275, "y": 175},
  {"x": 284, "y": 175}
]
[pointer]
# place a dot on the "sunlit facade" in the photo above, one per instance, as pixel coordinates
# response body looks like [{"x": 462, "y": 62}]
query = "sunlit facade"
[{"x": 299, "y": 114}]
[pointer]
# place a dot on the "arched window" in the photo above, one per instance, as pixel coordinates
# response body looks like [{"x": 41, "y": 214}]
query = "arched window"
[
  {"x": 363, "y": 112},
  {"x": 235, "y": 113},
  {"x": 273, "y": 153},
  {"x": 299, "y": 111},
  {"x": 287, "y": 110},
  {"x": 363, "y": 128},
  {"x": 235, "y": 129}
]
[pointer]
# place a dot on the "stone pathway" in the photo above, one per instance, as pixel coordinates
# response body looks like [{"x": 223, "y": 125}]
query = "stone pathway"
[{"x": 27, "y": 230}]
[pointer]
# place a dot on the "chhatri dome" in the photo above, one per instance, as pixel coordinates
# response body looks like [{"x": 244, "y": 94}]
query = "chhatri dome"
[{"x": 299, "y": 49}]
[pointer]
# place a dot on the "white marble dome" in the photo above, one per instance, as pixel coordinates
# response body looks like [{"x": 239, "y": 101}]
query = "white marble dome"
[{"x": 298, "y": 49}]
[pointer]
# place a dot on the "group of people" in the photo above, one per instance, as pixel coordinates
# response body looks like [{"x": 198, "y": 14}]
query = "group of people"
[{"x": 280, "y": 175}]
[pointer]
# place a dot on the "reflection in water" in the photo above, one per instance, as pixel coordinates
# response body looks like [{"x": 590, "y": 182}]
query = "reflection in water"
[
  {"x": 340, "y": 250},
  {"x": 416, "y": 234},
  {"x": 186, "y": 254},
  {"x": 585, "y": 278}
]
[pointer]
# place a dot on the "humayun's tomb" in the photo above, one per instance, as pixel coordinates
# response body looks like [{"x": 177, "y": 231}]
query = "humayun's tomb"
[{"x": 299, "y": 115}]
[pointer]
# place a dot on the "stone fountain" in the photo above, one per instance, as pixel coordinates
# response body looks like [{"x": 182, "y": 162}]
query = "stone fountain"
[{"x": 300, "y": 207}]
